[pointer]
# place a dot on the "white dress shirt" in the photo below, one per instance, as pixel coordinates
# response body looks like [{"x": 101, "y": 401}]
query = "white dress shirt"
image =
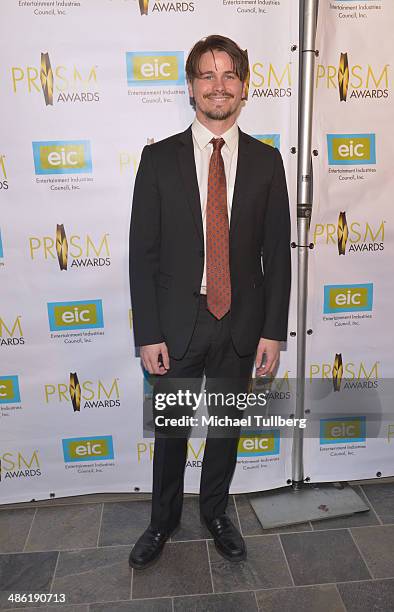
[{"x": 202, "y": 154}]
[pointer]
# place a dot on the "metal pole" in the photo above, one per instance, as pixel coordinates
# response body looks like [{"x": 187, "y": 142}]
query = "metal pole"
[
  {"x": 308, "y": 23},
  {"x": 304, "y": 502}
]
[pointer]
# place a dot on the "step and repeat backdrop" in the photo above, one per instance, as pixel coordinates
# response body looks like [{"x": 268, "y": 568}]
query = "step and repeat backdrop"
[
  {"x": 84, "y": 86},
  {"x": 350, "y": 367}
]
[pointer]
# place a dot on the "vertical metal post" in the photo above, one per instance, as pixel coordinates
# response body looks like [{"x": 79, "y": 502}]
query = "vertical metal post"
[{"x": 308, "y": 24}]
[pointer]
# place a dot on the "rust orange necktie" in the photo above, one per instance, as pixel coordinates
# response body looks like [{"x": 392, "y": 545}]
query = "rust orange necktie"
[{"x": 217, "y": 236}]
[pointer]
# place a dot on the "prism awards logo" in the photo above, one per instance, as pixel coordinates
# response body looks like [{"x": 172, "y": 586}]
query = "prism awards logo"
[
  {"x": 273, "y": 140},
  {"x": 270, "y": 80},
  {"x": 76, "y": 251},
  {"x": 354, "y": 82},
  {"x": 56, "y": 83},
  {"x": 75, "y": 315},
  {"x": 62, "y": 157},
  {"x": 348, "y": 298},
  {"x": 258, "y": 443},
  {"x": 88, "y": 449},
  {"x": 346, "y": 375},
  {"x": 353, "y": 237},
  {"x": 83, "y": 394},
  {"x": 11, "y": 333},
  {"x": 351, "y": 149},
  {"x": 15, "y": 464},
  {"x": 343, "y": 430},
  {"x": 155, "y": 68}
]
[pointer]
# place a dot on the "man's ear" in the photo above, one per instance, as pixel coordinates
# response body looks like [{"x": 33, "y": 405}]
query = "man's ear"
[{"x": 190, "y": 88}]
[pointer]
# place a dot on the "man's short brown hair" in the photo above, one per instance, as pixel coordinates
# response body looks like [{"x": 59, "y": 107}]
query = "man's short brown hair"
[{"x": 215, "y": 42}]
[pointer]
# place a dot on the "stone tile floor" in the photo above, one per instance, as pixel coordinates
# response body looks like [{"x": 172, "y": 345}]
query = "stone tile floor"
[{"x": 80, "y": 547}]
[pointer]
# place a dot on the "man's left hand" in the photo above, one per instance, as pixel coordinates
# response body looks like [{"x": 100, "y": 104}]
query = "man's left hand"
[{"x": 271, "y": 349}]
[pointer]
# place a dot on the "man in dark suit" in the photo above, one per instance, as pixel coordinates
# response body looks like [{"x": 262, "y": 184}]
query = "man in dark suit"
[{"x": 210, "y": 205}]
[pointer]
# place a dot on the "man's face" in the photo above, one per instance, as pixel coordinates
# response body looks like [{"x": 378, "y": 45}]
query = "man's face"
[{"x": 217, "y": 91}]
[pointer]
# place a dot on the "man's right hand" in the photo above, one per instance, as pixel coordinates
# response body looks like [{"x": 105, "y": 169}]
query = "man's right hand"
[{"x": 150, "y": 358}]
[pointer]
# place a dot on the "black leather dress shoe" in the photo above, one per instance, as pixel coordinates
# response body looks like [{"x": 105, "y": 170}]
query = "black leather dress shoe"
[
  {"x": 228, "y": 541},
  {"x": 148, "y": 548}
]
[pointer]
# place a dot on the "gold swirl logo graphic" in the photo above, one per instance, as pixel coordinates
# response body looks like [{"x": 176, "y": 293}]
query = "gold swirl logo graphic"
[
  {"x": 144, "y": 6},
  {"x": 61, "y": 246},
  {"x": 337, "y": 372},
  {"x": 342, "y": 233},
  {"x": 46, "y": 77},
  {"x": 343, "y": 77},
  {"x": 75, "y": 391}
]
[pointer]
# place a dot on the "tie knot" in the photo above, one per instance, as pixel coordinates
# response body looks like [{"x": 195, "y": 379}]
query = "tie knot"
[{"x": 217, "y": 143}]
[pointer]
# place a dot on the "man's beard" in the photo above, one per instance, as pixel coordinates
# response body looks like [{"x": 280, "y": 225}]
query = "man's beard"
[{"x": 219, "y": 115}]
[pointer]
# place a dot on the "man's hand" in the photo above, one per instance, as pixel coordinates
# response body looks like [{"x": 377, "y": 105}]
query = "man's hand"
[
  {"x": 150, "y": 358},
  {"x": 271, "y": 349}
]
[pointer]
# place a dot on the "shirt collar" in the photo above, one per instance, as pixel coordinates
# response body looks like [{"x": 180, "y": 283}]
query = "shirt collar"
[{"x": 203, "y": 136}]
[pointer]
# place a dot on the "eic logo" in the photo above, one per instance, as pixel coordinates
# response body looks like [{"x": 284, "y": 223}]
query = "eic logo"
[
  {"x": 342, "y": 430},
  {"x": 155, "y": 68},
  {"x": 351, "y": 149},
  {"x": 270, "y": 139},
  {"x": 9, "y": 390},
  {"x": 88, "y": 449},
  {"x": 253, "y": 444},
  {"x": 62, "y": 157},
  {"x": 348, "y": 298},
  {"x": 75, "y": 315}
]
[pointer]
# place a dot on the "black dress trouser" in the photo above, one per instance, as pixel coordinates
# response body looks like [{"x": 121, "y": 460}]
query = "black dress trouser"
[{"x": 211, "y": 352}]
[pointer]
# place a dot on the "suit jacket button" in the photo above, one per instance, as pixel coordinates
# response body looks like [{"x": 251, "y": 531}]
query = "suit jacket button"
[{"x": 196, "y": 294}]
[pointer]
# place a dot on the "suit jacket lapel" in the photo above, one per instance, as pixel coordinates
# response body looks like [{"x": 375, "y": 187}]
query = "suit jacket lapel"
[
  {"x": 188, "y": 172},
  {"x": 241, "y": 179}
]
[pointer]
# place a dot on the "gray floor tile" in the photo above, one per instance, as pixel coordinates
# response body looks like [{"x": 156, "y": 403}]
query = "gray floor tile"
[
  {"x": 250, "y": 524},
  {"x": 308, "y": 599},
  {"x": 323, "y": 556},
  {"x": 192, "y": 527},
  {"x": 65, "y": 528},
  {"x": 376, "y": 596},
  {"x": 230, "y": 602},
  {"x": 14, "y": 528},
  {"x": 140, "y": 605},
  {"x": 25, "y": 573},
  {"x": 183, "y": 569},
  {"x": 377, "y": 547},
  {"x": 124, "y": 522},
  {"x": 265, "y": 567},
  {"x": 381, "y": 497},
  {"x": 354, "y": 520},
  {"x": 96, "y": 575}
]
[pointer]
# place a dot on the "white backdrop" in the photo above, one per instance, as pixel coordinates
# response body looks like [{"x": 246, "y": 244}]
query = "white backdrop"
[
  {"x": 83, "y": 87},
  {"x": 351, "y": 273}
]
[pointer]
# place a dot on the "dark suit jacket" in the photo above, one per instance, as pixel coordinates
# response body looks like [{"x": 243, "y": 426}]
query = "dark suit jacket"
[{"x": 167, "y": 246}]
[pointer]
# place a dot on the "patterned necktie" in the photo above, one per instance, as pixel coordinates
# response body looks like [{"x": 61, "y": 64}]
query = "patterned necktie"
[{"x": 217, "y": 238}]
